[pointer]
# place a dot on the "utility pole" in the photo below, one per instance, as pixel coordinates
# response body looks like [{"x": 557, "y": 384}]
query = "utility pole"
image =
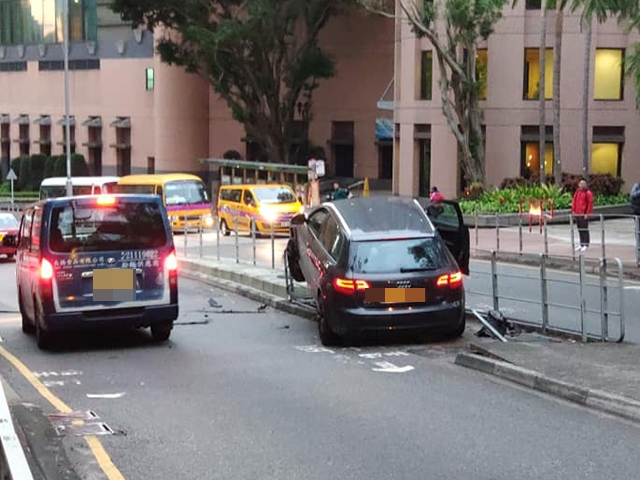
[{"x": 67, "y": 118}]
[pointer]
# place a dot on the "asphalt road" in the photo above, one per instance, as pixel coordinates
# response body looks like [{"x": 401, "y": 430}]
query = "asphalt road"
[
  {"x": 248, "y": 395},
  {"x": 519, "y": 286}
]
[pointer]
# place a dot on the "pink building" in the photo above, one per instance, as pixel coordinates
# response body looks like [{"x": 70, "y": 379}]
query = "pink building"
[
  {"x": 134, "y": 114},
  {"x": 425, "y": 151}
]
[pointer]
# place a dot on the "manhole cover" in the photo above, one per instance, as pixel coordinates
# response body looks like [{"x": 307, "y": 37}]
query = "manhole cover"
[{"x": 80, "y": 430}]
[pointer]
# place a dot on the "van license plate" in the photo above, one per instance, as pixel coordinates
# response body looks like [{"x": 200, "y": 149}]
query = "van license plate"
[
  {"x": 114, "y": 285},
  {"x": 285, "y": 224}
]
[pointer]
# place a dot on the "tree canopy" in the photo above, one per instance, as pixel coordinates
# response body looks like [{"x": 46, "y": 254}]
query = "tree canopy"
[{"x": 261, "y": 56}]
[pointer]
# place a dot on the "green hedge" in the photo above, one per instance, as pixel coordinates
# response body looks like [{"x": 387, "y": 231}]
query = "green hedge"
[{"x": 32, "y": 170}]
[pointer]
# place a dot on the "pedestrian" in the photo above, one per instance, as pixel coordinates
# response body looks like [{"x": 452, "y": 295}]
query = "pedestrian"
[
  {"x": 581, "y": 208},
  {"x": 635, "y": 198},
  {"x": 436, "y": 196},
  {"x": 339, "y": 192}
]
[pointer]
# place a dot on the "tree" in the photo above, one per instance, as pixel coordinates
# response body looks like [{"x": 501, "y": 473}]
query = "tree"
[
  {"x": 557, "y": 62},
  {"x": 466, "y": 22},
  {"x": 542, "y": 94},
  {"x": 632, "y": 60},
  {"x": 260, "y": 56}
]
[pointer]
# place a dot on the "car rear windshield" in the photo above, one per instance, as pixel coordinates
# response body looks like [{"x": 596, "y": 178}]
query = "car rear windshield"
[
  {"x": 8, "y": 221},
  {"x": 125, "y": 225},
  {"x": 394, "y": 256}
]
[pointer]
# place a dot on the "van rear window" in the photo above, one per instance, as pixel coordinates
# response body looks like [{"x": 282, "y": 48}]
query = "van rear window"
[{"x": 85, "y": 227}]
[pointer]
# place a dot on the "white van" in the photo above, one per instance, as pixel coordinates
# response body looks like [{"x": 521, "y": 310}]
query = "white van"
[{"x": 55, "y": 187}]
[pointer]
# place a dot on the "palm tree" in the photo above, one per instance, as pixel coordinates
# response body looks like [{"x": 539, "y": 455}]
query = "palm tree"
[{"x": 542, "y": 97}]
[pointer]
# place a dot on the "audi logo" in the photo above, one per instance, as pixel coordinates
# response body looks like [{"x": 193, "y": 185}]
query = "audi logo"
[{"x": 403, "y": 284}]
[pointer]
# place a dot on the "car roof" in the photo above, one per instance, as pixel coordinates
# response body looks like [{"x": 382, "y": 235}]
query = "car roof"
[
  {"x": 382, "y": 217},
  {"x": 77, "y": 181}
]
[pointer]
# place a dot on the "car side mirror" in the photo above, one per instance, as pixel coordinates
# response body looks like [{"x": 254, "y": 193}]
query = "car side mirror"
[{"x": 299, "y": 219}]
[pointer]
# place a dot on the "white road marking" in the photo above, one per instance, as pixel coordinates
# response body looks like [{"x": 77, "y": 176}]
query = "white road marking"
[
  {"x": 315, "y": 349},
  {"x": 389, "y": 367},
  {"x": 106, "y": 395}
]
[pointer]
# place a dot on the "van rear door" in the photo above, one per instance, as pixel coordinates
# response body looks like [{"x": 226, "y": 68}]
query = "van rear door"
[{"x": 111, "y": 252}]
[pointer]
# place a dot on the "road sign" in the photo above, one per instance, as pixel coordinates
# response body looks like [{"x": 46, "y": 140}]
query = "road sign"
[{"x": 11, "y": 176}]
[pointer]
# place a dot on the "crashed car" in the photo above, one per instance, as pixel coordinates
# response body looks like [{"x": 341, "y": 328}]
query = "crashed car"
[
  {"x": 9, "y": 227},
  {"x": 380, "y": 263}
]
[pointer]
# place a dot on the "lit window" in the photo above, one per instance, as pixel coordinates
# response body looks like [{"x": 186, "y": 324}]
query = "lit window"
[
  {"x": 482, "y": 68},
  {"x": 608, "y": 74},
  {"x": 532, "y": 74},
  {"x": 426, "y": 75},
  {"x": 605, "y": 158},
  {"x": 150, "y": 79},
  {"x": 532, "y": 159}
]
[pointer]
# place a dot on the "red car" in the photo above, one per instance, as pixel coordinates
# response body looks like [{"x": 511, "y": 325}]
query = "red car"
[{"x": 9, "y": 227}]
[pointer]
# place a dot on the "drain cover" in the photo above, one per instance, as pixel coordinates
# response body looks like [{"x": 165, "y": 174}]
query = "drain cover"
[
  {"x": 78, "y": 415},
  {"x": 83, "y": 429}
]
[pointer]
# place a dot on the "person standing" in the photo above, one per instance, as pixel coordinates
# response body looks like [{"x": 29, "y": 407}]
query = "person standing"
[
  {"x": 435, "y": 195},
  {"x": 339, "y": 192},
  {"x": 581, "y": 208}
]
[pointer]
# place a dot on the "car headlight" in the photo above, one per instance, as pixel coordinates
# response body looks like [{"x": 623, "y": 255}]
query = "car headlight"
[
  {"x": 207, "y": 220},
  {"x": 268, "y": 214},
  {"x": 301, "y": 209}
]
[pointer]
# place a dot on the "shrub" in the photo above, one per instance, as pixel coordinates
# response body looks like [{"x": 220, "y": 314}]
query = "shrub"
[
  {"x": 232, "y": 155},
  {"x": 25, "y": 179},
  {"x": 79, "y": 167},
  {"x": 59, "y": 166},
  {"x": 49, "y": 167},
  {"x": 599, "y": 183},
  {"x": 15, "y": 166},
  {"x": 38, "y": 163}
]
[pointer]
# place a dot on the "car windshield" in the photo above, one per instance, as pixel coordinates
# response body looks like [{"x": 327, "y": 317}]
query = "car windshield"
[
  {"x": 8, "y": 221},
  {"x": 275, "y": 195},
  {"x": 84, "y": 227},
  {"x": 61, "y": 191},
  {"x": 185, "y": 192},
  {"x": 396, "y": 255}
]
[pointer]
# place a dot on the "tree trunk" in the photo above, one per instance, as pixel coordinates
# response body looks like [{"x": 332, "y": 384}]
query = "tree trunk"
[
  {"x": 557, "y": 62},
  {"x": 542, "y": 98},
  {"x": 586, "y": 151}
]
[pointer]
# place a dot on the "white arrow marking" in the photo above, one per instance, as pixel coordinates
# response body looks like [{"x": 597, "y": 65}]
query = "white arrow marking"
[
  {"x": 391, "y": 368},
  {"x": 106, "y": 395}
]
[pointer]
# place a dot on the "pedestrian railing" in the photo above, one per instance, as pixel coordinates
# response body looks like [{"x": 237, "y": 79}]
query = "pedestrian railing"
[
  {"x": 612, "y": 235},
  {"x": 588, "y": 303}
]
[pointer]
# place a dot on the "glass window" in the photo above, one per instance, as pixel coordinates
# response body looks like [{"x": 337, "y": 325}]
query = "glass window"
[
  {"x": 316, "y": 220},
  {"x": 532, "y": 72},
  {"x": 608, "y": 71},
  {"x": 187, "y": 192},
  {"x": 531, "y": 163},
  {"x": 35, "y": 230},
  {"x": 426, "y": 75},
  {"x": 25, "y": 233},
  {"x": 329, "y": 234},
  {"x": 7, "y": 220},
  {"x": 248, "y": 198},
  {"x": 85, "y": 227},
  {"x": 392, "y": 256},
  {"x": 275, "y": 195},
  {"x": 149, "y": 79},
  {"x": 482, "y": 70},
  {"x": 605, "y": 158}
]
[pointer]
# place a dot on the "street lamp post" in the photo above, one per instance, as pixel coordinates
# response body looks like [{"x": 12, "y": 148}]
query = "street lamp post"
[{"x": 67, "y": 118}]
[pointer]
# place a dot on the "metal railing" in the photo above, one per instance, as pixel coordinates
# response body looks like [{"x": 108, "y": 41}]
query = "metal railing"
[
  {"x": 599, "y": 297},
  {"x": 613, "y": 235}
]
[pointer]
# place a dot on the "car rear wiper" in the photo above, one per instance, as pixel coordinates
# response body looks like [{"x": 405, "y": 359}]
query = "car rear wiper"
[{"x": 417, "y": 269}]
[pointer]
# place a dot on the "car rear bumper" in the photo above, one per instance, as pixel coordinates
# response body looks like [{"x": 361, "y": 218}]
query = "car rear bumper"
[
  {"x": 131, "y": 317},
  {"x": 354, "y": 320},
  {"x": 7, "y": 251}
]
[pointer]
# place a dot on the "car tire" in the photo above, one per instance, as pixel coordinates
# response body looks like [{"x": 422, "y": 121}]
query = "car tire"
[
  {"x": 292, "y": 262},
  {"x": 224, "y": 228},
  {"x": 458, "y": 330},
  {"x": 328, "y": 337},
  {"x": 44, "y": 339},
  {"x": 27, "y": 324},
  {"x": 161, "y": 332}
]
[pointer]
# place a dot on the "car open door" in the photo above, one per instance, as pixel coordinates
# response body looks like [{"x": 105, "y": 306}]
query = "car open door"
[{"x": 446, "y": 216}]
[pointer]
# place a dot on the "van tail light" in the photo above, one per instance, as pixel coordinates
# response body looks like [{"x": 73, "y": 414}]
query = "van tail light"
[
  {"x": 46, "y": 269},
  {"x": 171, "y": 262},
  {"x": 452, "y": 280},
  {"x": 344, "y": 285}
]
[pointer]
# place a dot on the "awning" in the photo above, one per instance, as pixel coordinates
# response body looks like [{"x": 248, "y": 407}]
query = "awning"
[
  {"x": 22, "y": 120},
  {"x": 4, "y": 119},
  {"x": 43, "y": 120},
  {"x": 386, "y": 99},
  {"x": 93, "y": 122},
  {"x": 63, "y": 121},
  {"x": 384, "y": 129},
  {"x": 121, "y": 122}
]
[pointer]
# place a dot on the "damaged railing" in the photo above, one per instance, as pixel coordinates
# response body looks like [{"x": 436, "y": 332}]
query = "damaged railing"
[{"x": 598, "y": 294}]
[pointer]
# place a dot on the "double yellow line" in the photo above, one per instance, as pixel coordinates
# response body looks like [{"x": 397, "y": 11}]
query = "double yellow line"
[{"x": 101, "y": 455}]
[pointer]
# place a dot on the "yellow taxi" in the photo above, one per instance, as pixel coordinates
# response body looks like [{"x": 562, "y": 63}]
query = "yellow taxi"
[{"x": 259, "y": 206}]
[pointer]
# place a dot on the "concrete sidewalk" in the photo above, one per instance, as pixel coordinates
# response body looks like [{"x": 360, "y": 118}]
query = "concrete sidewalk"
[{"x": 601, "y": 376}]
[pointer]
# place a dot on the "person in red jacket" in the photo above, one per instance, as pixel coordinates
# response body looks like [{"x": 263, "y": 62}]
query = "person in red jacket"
[{"x": 581, "y": 208}]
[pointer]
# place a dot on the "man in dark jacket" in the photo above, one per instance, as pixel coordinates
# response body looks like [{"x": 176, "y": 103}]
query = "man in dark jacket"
[
  {"x": 581, "y": 208},
  {"x": 338, "y": 192}
]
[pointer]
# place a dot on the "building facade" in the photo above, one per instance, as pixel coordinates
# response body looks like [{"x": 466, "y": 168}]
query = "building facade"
[
  {"x": 133, "y": 114},
  {"x": 425, "y": 152}
]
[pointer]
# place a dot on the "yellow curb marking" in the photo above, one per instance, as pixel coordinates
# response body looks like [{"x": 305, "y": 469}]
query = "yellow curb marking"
[{"x": 101, "y": 455}]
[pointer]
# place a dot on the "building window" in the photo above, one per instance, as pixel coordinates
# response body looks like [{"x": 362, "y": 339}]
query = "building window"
[
  {"x": 45, "y": 139},
  {"x": 54, "y": 65},
  {"x": 342, "y": 148},
  {"x": 426, "y": 75},
  {"x": 482, "y": 70},
  {"x": 609, "y": 74},
  {"x": 149, "y": 79},
  {"x": 5, "y": 145},
  {"x": 40, "y": 21},
  {"x": 12, "y": 66},
  {"x": 533, "y": 4},
  {"x": 151, "y": 165},
  {"x": 606, "y": 150},
  {"x": 532, "y": 72},
  {"x": 123, "y": 145},
  {"x": 531, "y": 159},
  {"x": 24, "y": 140}
]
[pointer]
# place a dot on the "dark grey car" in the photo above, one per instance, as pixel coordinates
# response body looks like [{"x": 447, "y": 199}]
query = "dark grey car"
[{"x": 380, "y": 263}]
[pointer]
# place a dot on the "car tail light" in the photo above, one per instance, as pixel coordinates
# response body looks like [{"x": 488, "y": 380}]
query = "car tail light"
[
  {"x": 450, "y": 280},
  {"x": 46, "y": 269},
  {"x": 171, "y": 262},
  {"x": 345, "y": 285},
  {"x": 105, "y": 200}
]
